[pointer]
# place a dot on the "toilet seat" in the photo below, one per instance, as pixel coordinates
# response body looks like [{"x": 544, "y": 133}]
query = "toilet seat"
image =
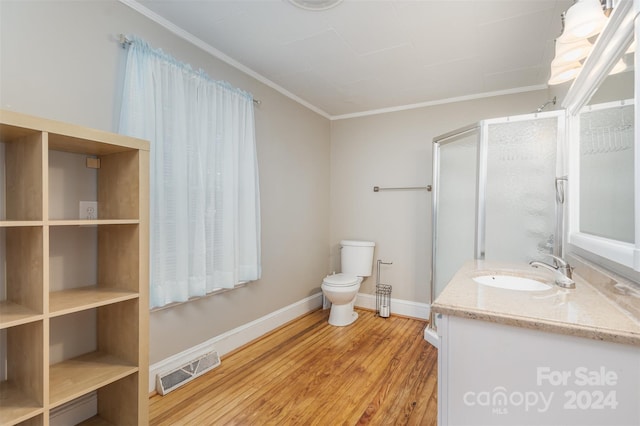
[
  {"x": 341, "y": 290},
  {"x": 341, "y": 280}
]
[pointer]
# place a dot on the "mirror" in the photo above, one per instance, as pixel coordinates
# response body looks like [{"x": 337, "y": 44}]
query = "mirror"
[
  {"x": 606, "y": 170},
  {"x": 603, "y": 149}
]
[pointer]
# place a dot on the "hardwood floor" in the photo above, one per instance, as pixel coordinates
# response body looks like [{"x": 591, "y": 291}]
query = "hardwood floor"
[{"x": 376, "y": 371}]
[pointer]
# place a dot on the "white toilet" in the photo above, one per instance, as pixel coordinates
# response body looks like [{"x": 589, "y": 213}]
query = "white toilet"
[{"x": 341, "y": 289}]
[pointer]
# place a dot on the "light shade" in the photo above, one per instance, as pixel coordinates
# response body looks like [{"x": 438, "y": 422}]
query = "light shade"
[
  {"x": 620, "y": 66},
  {"x": 571, "y": 52},
  {"x": 563, "y": 73},
  {"x": 583, "y": 20},
  {"x": 632, "y": 48},
  {"x": 315, "y": 5}
]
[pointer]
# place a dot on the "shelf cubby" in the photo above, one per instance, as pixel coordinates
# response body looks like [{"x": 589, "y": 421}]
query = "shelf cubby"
[
  {"x": 121, "y": 394},
  {"x": 22, "y": 390},
  {"x": 118, "y": 260},
  {"x": 115, "y": 255},
  {"x": 23, "y": 156},
  {"x": 75, "y": 377},
  {"x": 118, "y": 186},
  {"x": 114, "y": 357},
  {"x": 112, "y": 181},
  {"x": 15, "y": 406},
  {"x": 24, "y": 274}
]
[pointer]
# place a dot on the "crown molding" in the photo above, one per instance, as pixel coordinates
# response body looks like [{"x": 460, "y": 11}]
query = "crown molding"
[
  {"x": 442, "y": 101},
  {"x": 185, "y": 35},
  {"x": 170, "y": 26}
]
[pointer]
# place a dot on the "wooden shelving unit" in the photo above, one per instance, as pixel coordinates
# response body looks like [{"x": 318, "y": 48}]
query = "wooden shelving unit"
[{"x": 33, "y": 194}]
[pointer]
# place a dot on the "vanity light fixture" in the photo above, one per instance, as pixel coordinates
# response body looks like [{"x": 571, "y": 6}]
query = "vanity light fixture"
[
  {"x": 565, "y": 72},
  {"x": 583, "y": 20},
  {"x": 570, "y": 52}
]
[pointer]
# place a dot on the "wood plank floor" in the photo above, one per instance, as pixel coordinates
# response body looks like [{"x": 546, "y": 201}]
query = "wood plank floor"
[{"x": 377, "y": 371}]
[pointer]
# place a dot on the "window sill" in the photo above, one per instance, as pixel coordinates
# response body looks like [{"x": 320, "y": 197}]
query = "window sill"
[{"x": 193, "y": 299}]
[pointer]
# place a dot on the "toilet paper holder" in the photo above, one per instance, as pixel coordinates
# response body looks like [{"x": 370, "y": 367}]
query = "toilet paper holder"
[{"x": 383, "y": 294}]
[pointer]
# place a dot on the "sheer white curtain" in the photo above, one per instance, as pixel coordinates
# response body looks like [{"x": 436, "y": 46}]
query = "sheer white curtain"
[{"x": 204, "y": 201}]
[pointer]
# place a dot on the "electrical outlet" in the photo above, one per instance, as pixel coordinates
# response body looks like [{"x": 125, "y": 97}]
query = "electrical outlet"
[{"x": 88, "y": 210}]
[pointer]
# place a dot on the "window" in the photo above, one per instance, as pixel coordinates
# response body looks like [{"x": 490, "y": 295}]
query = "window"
[{"x": 204, "y": 201}]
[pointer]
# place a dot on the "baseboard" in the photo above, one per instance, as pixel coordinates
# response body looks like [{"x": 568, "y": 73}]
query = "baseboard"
[
  {"x": 233, "y": 339},
  {"x": 431, "y": 336},
  {"x": 75, "y": 411},
  {"x": 405, "y": 308},
  {"x": 237, "y": 337}
]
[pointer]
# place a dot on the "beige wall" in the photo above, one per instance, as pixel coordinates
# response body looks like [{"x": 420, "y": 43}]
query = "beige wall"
[
  {"x": 394, "y": 150},
  {"x": 60, "y": 60}
]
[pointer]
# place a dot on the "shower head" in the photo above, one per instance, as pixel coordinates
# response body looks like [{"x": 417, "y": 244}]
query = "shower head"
[{"x": 543, "y": 106}]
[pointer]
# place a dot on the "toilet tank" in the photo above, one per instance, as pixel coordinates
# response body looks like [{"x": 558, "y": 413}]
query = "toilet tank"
[{"x": 357, "y": 257}]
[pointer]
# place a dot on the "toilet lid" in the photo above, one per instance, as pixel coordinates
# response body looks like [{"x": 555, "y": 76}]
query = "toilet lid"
[{"x": 341, "y": 279}]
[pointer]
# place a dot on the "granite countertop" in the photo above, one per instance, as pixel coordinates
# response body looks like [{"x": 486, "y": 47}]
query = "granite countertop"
[{"x": 595, "y": 309}]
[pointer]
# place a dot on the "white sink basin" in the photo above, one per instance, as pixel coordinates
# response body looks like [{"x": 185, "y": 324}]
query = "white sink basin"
[{"x": 512, "y": 282}]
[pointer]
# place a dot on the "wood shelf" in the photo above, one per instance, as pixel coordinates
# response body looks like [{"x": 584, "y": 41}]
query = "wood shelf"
[
  {"x": 79, "y": 299},
  {"x": 44, "y": 177},
  {"x": 75, "y": 377},
  {"x": 12, "y": 314},
  {"x": 67, "y": 137},
  {"x": 19, "y": 223},
  {"x": 79, "y": 222},
  {"x": 15, "y": 406}
]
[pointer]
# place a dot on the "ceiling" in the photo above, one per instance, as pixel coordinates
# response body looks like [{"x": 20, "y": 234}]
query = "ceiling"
[{"x": 366, "y": 55}]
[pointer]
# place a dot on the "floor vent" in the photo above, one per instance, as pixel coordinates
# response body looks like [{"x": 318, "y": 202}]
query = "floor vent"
[{"x": 173, "y": 379}]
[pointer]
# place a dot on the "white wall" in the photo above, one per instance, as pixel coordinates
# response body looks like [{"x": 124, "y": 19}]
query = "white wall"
[
  {"x": 394, "y": 150},
  {"x": 61, "y": 60}
]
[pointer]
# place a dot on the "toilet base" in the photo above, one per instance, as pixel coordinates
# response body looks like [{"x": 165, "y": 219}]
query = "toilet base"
[{"x": 342, "y": 315}]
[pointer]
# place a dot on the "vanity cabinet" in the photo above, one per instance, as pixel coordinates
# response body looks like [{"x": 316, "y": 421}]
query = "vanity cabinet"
[
  {"x": 74, "y": 311},
  {"x": 497, "y": 374}
]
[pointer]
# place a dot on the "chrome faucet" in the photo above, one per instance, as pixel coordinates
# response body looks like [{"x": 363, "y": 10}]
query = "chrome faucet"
[{"x": 561, "y": 271}]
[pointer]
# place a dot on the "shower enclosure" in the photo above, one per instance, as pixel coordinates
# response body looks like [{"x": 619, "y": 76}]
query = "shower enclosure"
[{"x": 498, "y": 193}]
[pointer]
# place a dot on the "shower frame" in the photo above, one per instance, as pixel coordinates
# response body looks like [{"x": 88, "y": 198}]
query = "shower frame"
[{"x": 482, "y": 130}]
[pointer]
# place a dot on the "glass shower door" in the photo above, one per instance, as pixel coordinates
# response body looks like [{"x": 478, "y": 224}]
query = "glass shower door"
[
  {"x": 495, "y": 193},
  {"x": 520, "y": 191},
  {"x": 454, "y": 210}
]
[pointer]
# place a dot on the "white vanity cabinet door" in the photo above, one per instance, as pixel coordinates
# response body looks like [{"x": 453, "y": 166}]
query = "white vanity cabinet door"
[{"x": 494, "y": 374}]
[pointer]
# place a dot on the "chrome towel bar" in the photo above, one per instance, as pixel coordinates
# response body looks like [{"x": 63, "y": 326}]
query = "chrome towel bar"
[{"x": 405, "y": 188}]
